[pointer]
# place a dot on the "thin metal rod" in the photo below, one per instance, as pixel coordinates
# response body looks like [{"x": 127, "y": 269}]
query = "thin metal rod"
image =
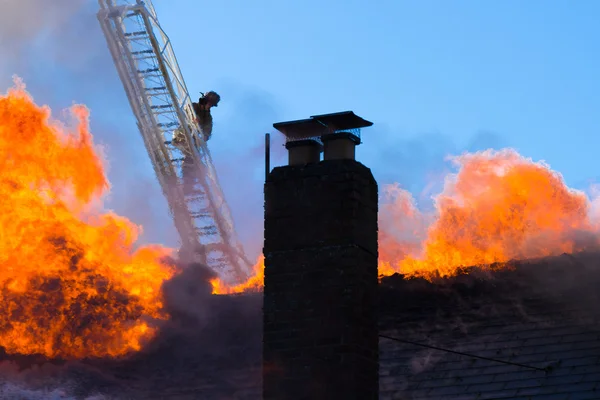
[
  {"x": 463, "y": 354},
  {"x": 267, "y": 155}
]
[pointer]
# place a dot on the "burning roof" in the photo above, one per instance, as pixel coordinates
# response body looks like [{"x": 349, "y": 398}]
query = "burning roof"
[
  {"x": 87, "y": 312},
  {"x": 536, "y": 324},
  {"x": 72, "y": 284}
]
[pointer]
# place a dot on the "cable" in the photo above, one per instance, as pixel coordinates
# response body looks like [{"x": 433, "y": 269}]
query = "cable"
[{"x": 547, "y": 369}]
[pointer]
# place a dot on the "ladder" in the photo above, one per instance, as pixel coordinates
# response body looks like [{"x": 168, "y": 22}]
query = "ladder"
[{"x": 159, "y": 98}]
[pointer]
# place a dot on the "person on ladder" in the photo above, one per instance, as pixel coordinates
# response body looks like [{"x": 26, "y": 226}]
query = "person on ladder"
[
  {"x": 203, "y": 116},
  {"x": 205, "y": 121},
  {"x": 202, "y": 110}
]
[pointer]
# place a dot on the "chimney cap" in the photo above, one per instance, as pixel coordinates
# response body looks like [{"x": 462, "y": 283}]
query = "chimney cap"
[
  {"x": 300, "y": 129},
  {"x": 318, "y": 125},
  {"x": 342, "y": 121}
]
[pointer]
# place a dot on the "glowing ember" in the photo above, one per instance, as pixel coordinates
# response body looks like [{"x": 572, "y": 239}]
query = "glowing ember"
[
  {"x": 71, "y": 284},
  {"x": 255, "y": 283}
]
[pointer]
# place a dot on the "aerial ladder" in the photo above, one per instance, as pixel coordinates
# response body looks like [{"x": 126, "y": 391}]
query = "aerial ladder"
[{"x": 173, "y": 138}]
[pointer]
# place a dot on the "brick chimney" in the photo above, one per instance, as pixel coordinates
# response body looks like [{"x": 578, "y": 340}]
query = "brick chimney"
[{"x": 320, "y": 294}]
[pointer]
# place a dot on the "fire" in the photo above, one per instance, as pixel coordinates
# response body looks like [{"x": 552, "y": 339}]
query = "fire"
[
  {"x": 254, "y": 284},
  {"x": 72, "y": 285},
  {"x": 499, "y": 207}
]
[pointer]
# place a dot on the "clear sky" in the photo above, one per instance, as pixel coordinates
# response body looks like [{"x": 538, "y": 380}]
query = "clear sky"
[
  {"x": 526, "y": 71},
  {"x": 436, "y": 78}
]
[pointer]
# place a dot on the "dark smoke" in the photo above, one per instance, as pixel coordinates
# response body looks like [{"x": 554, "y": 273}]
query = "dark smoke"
[{"x": 187, "y": 293}]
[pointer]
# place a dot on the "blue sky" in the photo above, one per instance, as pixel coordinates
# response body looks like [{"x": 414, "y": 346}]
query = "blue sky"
[
  {"x": 524, "y": 70},
  {"x": 436, "y": 78}
]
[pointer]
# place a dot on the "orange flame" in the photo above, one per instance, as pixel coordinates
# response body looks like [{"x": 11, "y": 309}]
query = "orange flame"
[
  {"x": 72, "y": 284},
  {"x": 254, "y": 284},
  {"x": 499, "y": 207}
]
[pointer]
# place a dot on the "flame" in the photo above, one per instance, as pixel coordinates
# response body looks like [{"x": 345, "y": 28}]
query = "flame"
[
  {"x": 71, "y": 283},
  {"x": 499, "y": 207},
  {"x": 254, "y": 284}
]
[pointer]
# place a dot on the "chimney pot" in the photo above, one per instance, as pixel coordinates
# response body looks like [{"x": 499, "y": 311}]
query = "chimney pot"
[
  {"x": 302, "y": 152},
  {"x": 340, "y": 146}
]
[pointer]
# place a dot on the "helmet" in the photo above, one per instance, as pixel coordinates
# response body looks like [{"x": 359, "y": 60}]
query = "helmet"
[{"x": 214, "y": 97}]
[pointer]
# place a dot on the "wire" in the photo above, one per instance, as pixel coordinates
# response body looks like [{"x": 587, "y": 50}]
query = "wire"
[{"x": 547, "y": 369}]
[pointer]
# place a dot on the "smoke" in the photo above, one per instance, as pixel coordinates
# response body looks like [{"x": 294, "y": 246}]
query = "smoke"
[
  {"x": 24, "y": 23},
  {"x": 12, "y": 391},
  {"x": 237, "y": 145},
  {"x": 41, "y": 39},
  {"x": 59, "y": 50},
  {"x": 419, "y": 162},
  {"x": 186, "y": 294}
]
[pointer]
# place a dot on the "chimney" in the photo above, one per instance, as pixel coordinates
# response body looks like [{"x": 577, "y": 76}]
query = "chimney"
[{"x": 320, "y": 295}]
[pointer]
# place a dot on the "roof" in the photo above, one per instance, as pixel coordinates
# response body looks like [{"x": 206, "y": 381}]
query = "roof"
[
  {"x": 318, "y": 125},
  {"x": 540, "y": 314}
]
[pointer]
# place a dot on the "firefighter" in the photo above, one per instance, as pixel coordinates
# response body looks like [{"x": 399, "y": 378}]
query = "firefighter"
[{"x": 202, "y": 110}]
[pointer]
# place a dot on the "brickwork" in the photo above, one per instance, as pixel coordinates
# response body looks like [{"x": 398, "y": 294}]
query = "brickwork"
[{"x": 320, "y": 297}]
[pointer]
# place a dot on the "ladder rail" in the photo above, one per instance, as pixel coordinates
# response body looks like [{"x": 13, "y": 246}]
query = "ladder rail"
[
  {"x": 157, "y": 93},
  {"x": 146, "y": 121},
  {"x": 222, "y": 218}
]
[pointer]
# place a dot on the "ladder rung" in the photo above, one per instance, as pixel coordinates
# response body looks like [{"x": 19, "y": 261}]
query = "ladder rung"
[
  {"x": 135, "y": 53},
  {"x": 161, "y": 106},
  {"x": 136, "y": 33},
  {"x": 198, "y": 192},
  {"x": 217, "y": 263},
  {"x": 139, "y": 59},
  {"x": 150, "y": 89},
  {"x": 168, "y": 125},
  {"x": 201, "y": 215},
  {"x": 155, "y": 76},
  {"x": 175, "y": 160},
  {"x": 163, "y": 112},
  {"x": 165, "y": 93},
  {"x": 145, "y": 71},
  {"x": 157, "y": 94},
  {"x": 207, "y": 230},
  {"x": 196, "y": 198}
]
